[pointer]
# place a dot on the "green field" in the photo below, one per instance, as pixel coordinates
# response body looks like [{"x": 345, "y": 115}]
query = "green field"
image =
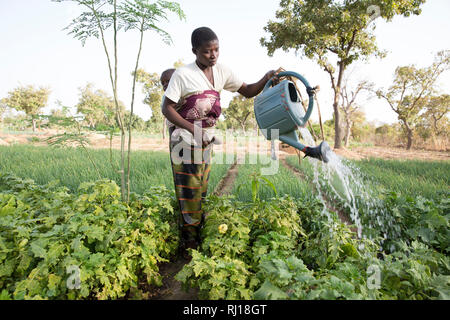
[
  {"x": 72, "y": 166},
  {"x": 284, "y": 181},
  {"x": 255, "y": 244},
  {"x": 408, "y": 177}
]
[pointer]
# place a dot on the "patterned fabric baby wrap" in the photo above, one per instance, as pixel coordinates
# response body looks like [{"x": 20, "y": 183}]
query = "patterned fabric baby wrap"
[{"x": 191, "y": 164}]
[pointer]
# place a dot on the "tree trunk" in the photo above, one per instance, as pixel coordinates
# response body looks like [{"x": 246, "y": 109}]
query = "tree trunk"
[
  {"x": 347, "y": 132},
  {"x": 410, "y": 137},
  {"x": 33, "y": 121},
  {"x": 131, "y": 111},
  {"x": 337, "y": 128},
  {"x": 337, "y": 93}
]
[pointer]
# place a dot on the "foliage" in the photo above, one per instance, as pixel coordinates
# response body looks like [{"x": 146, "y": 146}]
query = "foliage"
[
  {"x": 153, "y": 96},
  {"x": 239, "y": 114},
  {"x": 422, "y": 219},
  {"x": 224, "y": 269},
  {"x": 329, "y": 31},
  {"x": 411, "y": 89},
  {"x": 257, "y": 180},
  {"x": 45, "y": 231},
  {"x": 218, "y": 278},
  {"x": 27, "y": 99},
  {"x": 436, "y": 115},
  {"x": 140, "y": 15},
  {"x": 97, "y": 107}
]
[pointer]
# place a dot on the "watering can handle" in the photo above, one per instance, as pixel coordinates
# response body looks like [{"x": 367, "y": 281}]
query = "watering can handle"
[{"x": 309, "y": 90}]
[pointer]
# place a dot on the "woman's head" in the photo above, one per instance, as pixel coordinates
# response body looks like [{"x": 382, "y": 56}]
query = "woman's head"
[{"x": 205, "y": 45}]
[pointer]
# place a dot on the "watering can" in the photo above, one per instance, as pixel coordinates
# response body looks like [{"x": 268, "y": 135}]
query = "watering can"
[{"x": 279, "y": 108}]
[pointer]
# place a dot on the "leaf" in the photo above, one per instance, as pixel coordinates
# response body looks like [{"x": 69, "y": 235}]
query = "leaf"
[
  {"x": 4, "y": 295},
  {"x": 270, "y": 184},
  {"x": 37, "y": 250},
  {"x": 270, "y": 292},
  {"x": 53, "y": 284},
  {"x": 7, "y": 268}
]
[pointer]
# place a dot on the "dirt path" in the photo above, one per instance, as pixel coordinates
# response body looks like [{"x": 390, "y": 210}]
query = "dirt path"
[
  {"x": 225, "y": 185},
  {"x": 171, "y": 288},
  {"x": 358, "y": 153},
  {"x": 344, "y": 218}
]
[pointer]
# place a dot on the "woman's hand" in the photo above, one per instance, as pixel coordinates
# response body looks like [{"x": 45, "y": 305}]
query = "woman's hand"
[
  {"x": 199, "y": 136},
  {"x": 273, "y": 74},
  {"x": 251, "y": 90}
]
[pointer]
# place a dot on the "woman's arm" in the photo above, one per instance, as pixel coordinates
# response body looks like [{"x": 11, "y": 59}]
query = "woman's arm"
[
  {"x": 251, "y": 90},
  {"x": 168, "y": 110}
]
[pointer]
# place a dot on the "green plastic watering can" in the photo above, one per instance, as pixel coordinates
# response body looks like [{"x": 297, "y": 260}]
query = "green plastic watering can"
[{"x": 279, "y": 108}]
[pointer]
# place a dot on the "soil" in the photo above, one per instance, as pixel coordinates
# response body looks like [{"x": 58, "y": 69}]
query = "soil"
[
  {"x": 392, "y": 153},
  {"x": 171, "y": 288},
  {"x": 226, "y": 184},
  {"x": 100, "y": 141}
]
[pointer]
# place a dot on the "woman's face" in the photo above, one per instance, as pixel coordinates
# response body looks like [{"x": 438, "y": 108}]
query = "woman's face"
[{"x": 208, "y": 53}]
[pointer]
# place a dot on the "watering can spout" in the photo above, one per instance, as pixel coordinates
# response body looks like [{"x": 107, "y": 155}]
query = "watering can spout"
[{"x": 320, "y": 152}]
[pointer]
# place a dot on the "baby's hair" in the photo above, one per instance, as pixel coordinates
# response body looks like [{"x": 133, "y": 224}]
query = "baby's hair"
[
  {"x": 202, "y": 35},
  {"x": 167, "y": 72}
]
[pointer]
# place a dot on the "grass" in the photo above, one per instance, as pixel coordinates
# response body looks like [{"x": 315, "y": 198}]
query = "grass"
[
  {"x": 408, "y": 177},
  {"x": 284, "y": 181},
  {"x": 72, "y": 167}
]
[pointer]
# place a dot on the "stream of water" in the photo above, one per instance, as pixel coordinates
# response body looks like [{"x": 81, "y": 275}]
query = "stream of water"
[{"x": 343, "y": 183}]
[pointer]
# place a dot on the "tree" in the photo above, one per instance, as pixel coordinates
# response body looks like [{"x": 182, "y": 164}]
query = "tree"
[
  {"x": 27, "y": 99},
  {"x": 137, "y": 123},
  {"x": 360, "y": 128},
  {"x": 140, "y": 15},
  {"x": 61, "y": 112},
  {"x": 436, "y": 109},
  {"x": 349, "y": 107},
  {"x": 153, "y": 96},
  {"x": 3, "y": 107},
  {"x": 97, "y": 107},
  {"x": 412, "y": 87},
  {"x": 328, "y": 30},
  {"x": 239, "y": 113}
]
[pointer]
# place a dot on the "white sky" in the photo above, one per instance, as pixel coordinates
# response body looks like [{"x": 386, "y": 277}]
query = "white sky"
[{"x": 35, "y": 50}]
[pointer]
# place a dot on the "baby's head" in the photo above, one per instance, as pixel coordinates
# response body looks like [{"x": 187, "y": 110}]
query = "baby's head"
[{"x": 165, "y": 77}]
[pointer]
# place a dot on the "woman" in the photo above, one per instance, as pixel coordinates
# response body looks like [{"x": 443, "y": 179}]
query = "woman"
[{"x": 191, "y": 105}]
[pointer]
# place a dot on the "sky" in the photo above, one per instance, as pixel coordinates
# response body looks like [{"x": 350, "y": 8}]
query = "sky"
[{"x": 37, "y": 51}]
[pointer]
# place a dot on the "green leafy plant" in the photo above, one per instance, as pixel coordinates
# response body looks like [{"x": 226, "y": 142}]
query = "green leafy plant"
[
  {"x": 46, "y": 231},
  {"x": 258, "y": 181}
]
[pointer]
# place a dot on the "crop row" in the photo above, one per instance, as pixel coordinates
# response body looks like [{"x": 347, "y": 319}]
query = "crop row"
[
  {"x": 71, "y": 167},
  {"x": 289, "y": 249}
]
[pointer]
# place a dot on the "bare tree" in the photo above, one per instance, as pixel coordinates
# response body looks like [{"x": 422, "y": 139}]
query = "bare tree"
[{"x": 349, "y": 105}]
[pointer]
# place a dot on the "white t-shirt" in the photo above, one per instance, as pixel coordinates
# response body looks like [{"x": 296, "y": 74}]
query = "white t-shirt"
[{"x": 190, "y": 79}]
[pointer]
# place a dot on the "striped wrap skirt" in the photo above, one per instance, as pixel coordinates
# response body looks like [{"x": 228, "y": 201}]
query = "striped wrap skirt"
[{"x": 191, "y": 168}]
